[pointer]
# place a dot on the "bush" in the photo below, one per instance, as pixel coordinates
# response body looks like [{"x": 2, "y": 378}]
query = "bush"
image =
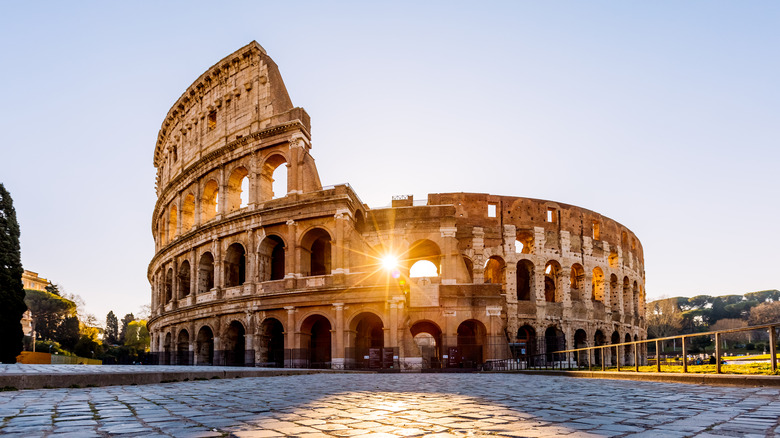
[{"x": 750, "y": 346}]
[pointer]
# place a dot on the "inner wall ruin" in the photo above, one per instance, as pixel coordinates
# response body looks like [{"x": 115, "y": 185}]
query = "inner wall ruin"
[{"x": 256, "y": 263}]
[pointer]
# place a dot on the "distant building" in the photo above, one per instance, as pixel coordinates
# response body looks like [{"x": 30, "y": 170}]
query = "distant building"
[{"x": 32, "y": 281}]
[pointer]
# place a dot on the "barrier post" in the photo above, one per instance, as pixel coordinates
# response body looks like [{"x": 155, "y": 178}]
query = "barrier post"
[
  {"x": 685, "y": 356},
  {"x": 657, "y": 357},
  {"x": 773, "y": 347},
  {"x": 717, "y": 352}
]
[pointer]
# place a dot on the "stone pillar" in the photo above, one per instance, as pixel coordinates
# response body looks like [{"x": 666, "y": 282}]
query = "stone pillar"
[
  {"x": 254, "y": 188},
  {"x": 338, "y": 245},
  {"x": 198, "y": 206},
  {"x": 295, "y": 166},
  {"x": 219, "y": 268},
  {"x": 178, "y": 214},
  {"x": 339, "y": 354},
  {"x": 289, "y": 332},
  {"x": 193, "y": 275},
  {"x": 478, "y": 244},
  {"x": 292, "y": 256}
]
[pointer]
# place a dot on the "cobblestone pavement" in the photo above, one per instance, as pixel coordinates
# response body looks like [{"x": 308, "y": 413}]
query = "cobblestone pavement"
[{"x": 394, "y": 405}]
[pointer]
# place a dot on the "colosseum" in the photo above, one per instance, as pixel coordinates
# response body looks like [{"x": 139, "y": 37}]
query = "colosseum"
[{"x": 257, "y": 263}]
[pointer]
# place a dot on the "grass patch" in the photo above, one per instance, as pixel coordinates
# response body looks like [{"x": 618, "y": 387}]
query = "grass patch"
[
  {"x": 9, "y": 388},
  {"x": 751, "y": 368},
  {"x": 74, "y": 386}
]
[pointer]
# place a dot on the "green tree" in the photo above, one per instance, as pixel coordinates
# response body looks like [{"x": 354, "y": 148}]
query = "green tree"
[
  {"x": 137, "y": 335},
  {"x": 87, "y": 347},
  {"x": 112, "y": 328},
  {"x": 125, "y": 321},
  {"x": 12, "y": 304},
  {"x": 68, "y": 332},
  {"x": 48, "y": 310},
  {"x": 53, "y": 289}
]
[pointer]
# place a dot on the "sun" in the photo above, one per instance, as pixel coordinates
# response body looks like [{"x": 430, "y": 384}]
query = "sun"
[{"x": 389, "y": 261}]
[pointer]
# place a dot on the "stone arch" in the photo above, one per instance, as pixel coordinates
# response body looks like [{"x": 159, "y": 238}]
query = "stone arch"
[
  {"x": 628, "y": 351},
  {"x": 167, "y": 349},
  {"x": 368, "y": 331},
  {"x": 472, "y": 343},
  {"x": 597, "y": 285},
  {"x": 185, "y": 282},
  {"x": 172, "y": 221},
  {"x": 360, "y": 222},
  {"x": 271, "y": 258},
  {"x": 235, "y": 265},
  {"x": 236, "y": 184},
  {"x": 525, "y": 280},
  {"x": 614, "y": 294},
  {"x": 581, "y": 341},
  {"x": 627, "y": 310},
  {"x": 234, "y": 344},
  {"x": 577, "y": 282},
  {"x": 183, "y": 356},
  {"x": 209, "y": 200},
  {"x": 526, "y": 346},
  {"x": 422, "y": 251},
  {"x": 271, "y": 343},
  {"x": 188, "y": 212},
  {"x": 268, "y": 175},
  {"x": 613, "y": 259},
  {"x": 315, "y": 335},
  {"x": 524, "y": 242},
  {"x": 552, "y": 282},
  {"x": 206, "y": 273},
  {"x": 635, "y": 299},
  {"x": 469, "y": 268},
  {"x": 613, "y": 352},
  {"x": 554, "y": 340},
  {"x": 169, "y": 285},
  {"x": 495, "y": 269},
  {"x": 204, "y": 346},
  {"x": 316, "y": 252},
  {"x": 598, "y": 340},
  {"x": 426, "y": 335}
]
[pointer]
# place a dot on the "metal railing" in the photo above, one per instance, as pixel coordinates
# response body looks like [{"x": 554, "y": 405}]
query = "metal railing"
[{"x": 587, "y": 357}]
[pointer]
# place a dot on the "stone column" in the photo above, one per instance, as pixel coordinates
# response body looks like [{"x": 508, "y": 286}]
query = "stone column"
[
  {"x": 338, "y": 244},
  {"x": 292, "y": 254},
  {"x": 450, "y": 252},
  {"x": 178, "y": 214},
  {"x": 337, "y": 359},
  {"x": 193, "y": 275},
  {"x": 289, "y": 332}
]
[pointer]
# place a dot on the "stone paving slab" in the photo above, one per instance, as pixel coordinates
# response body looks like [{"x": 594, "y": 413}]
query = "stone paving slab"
[
  {"x": 398, "y": 405},
  {"x": 688, "y": 378},
  {"x": 25, "y": 376}
]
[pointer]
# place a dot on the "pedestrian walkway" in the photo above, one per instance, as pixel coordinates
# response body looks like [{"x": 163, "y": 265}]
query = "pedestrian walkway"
[
  {"x": 394, "y": 405},
  {"x": 24, "y": 376}
]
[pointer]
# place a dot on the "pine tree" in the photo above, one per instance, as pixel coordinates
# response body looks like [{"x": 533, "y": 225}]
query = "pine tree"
[
  {"x": 125, "y": 321},
  {"x": 11, "y": 290},
  {"x": 112, "y": 328}
]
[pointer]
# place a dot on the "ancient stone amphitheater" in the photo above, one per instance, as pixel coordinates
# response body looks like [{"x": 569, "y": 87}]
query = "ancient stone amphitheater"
[{"x": 257, "y": 263}]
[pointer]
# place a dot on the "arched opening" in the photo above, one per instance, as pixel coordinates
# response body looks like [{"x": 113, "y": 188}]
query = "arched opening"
[
  {"x": 554, "y": 340},
  {"x": 204, "y": 347},
  {"x": 427, "y": 339},
  {"x": 524, "y": 242},
  {"x": 613, "y": 259},
  {"x": 360, "y": 222},
  {"x": 183, "y": 349},
  {"x": 525, "y": 345},
  {"x": 235, "y": 265},
  {"x": 577, "y": 282},
  {"x": 472, "y": 338},
  {"x": 525, "y": 279},
  {"x": 271, "y": 259},
  {"x": 161, "y": 230},
  {"x": 169, "y": 285},
  {"x": 209, "y": 201},
  {"x": 316, "y": 342},
  {"x": 238, "y": 189},
  {"x": 424, "y": 251},
  {"x": 206, "y": 273},
  {"x": 635, "y": 300},
  {"x": 469, "y": 268},
  {"x": 184, "y": 279},
  {"x": 271, "y": 343},
  {"x": 598, "y": 339},
  {"x": 188, "y": 212},
  {"x": 597, "y": 287},
  {"x": 581, "y": 341},
  {"x": 369, "y": 340},
  {"x": 552, "y": 289},
  {"x": 172, "y": 218},
  {"x": 316, "y": 252},
  {"x": 627, "y": 310},
  {"x": 494, "y": 270},
  {"x": 167, "y": 349},
  {"x": 273, "y": 178},
  {"x": 628, "y": 351},
  {"x": 614, "y": 350},
  {"x": 614, "y": 294},
  {"x": 235, "y": 345}
]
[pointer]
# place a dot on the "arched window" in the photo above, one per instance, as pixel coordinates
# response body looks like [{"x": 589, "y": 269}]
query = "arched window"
[
  {"x": 552, "y": 289},
  {"x": 525, "y": 279},
  {"x": 271, "y": 261},
  {"x": 627, "y": 301},
  {"x": 235, "y": 265},
  {"x": 576, "y": 282},
  {"x": 169, "y": 285},
  {"x": 206, "y": 273},
  {"x": 469, "y": 268},
  {"x": 424, "y": 251},
  {"x": 614, "y": 293},
  {"x": 524, "y": 242},
  {"x": 494, "y": 270},
  {"x": 209, "y": 201},
  {"x": 273, "y": 178},
  {"x": 423, "y": 268},
  {"x": 172, "y": 222},
  {"x": 184, "y": 278},
  {"x": 597, "y": 287},
  {"x": 238, "y": 189},
  {"x": 316, "y": 252},
  {"x": 188, "y": 212}
]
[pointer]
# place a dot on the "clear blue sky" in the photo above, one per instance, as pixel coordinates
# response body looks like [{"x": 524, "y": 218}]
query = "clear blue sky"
[{"x": 662, "y": 115}]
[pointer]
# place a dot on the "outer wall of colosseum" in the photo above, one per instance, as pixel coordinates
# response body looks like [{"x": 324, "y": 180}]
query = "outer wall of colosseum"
[{"x": 257, "y": 263}]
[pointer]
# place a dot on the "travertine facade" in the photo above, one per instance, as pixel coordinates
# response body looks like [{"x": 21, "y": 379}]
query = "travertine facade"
[{"x": 247, "y": 272}]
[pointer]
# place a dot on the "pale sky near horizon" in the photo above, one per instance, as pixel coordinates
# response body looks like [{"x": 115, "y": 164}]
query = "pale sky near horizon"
[{"x": 662, "y": 115}]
